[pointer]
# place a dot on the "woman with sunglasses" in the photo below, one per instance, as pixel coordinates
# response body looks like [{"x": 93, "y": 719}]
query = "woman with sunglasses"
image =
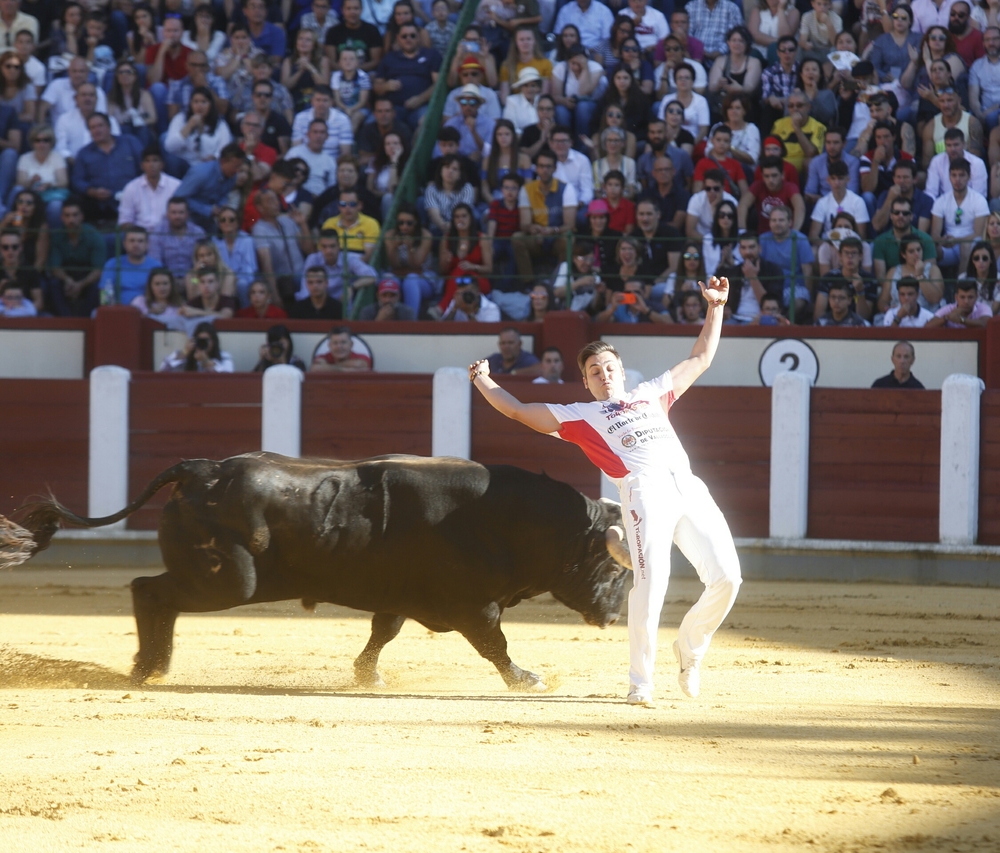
[
  {"x": 131, "y": 104},
  {"x": 199, "y": 133},
  {"x": 982, "y": 269},
  {"x": 720, "y": 248},
  {"x": 896, "y": 53},
  {"x": 611, "y": 117},
  {"x": 635, "y": 61},
  {"x": 43, "y": 170},
  {"x": 676, "y": 133},
  {"x": 675, "y": 57},
  {"x": 690, "y": 272},
  {"x": 18, "y": 91},
  {"x": 626, "y": 94},
  {"x": 611, "y": 51},
  {"x": 237, "y": 251},
  {"x": 465, "y": 255},
  {"x": 403, "y": 14},
  {"x": 937, "y": 43},
  {"x": 769, "y": 20},
  {"x": 28, "y": 217},
  {"x": 408, "y": 252}
]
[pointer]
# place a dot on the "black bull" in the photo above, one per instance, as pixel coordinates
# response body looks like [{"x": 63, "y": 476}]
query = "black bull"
[{"x": 444, "y": 541}]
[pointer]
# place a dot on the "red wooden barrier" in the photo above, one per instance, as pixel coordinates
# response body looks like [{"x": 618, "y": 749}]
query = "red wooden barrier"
[
  {"x": 989, "y": 469},
  {"x": 187, "y": 416},
  {"x": 874, "y": 465},
  {"x": 44, "y": 428}
]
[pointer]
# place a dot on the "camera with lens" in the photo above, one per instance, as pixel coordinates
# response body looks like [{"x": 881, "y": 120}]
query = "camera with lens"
[
  {"x": 202, "y": 343},
  {"x": 276, "y": 350},
  {"x": 469, "y": 298}
]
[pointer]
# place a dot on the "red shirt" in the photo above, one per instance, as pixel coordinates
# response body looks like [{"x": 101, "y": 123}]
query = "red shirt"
[
  {"x": 264, "y": 153},
  {"x": 969, "y": 48},
  {"x": 619, "y": 218},
  {"x": 730, "y": 166},
  {"x": 791, "y": 175},
  {"x": 173, "y": 68},
  {"x": 508, "y": 221},
  {"x": 766, "y": 201}
]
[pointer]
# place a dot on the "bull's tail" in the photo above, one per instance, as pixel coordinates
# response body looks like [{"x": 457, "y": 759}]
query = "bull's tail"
[{"x": 39, "y": 521}]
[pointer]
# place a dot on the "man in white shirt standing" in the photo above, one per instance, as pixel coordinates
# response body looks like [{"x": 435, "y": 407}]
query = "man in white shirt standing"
[
  {"x": 340, "y": 138},
  {"x": 574, "y": 169},
  {"x": 322, "y": 166},
  {"x": 144, "y": 199},
  {"x": 591, "y": 17},
  {"x": 938, "y": 182},
  {"x": 839, "y": 199},
  {"x": 957, "y": 215},
  {"x": 651, "y": 25}
]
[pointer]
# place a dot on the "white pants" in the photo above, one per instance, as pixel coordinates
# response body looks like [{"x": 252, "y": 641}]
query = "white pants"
[{"x": 659, "y": 509}]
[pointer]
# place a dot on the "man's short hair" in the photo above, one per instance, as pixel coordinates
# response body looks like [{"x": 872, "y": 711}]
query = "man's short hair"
[
  {"x": 134, "y": 229},
  {"x": 592, "y": 349},
  {"x": 718, "y": 175},
  {"x": 910, "y": 165},
  {"x": 556, "y": 350},
  {"x": 152, "y": 150},
  {"x": 773, "y": 163},
  {"x": 966, "y": 284},
  {"x": 722, "y": 128},
  {"x": 178, "y": 200},
  {"x": 384, "y": 98},
  {"x": 840, "y": 284},
  {"x": 330, "y": 234},
  {"x": 837, "y": 169},
  {"x": 318, "y": 121},
  {"x": 749, "y": 237},
  {"x": 322, "y": 89},
  {"x": 839, "y": 131},
  {"x": 614, "y": 175},
  {"x": 562, "y": 128},
  {"x": 449, "y": 134},
  {"x": 317, "y": 270},
  {"x": 548, "y": 154},
  {"x": 851, "y": 243},
  {"x": 786, "y": 40},
  {"x": 954, "y": 133},
  {"x": 583, "y": 248},
  {"x": 781, "y": 208},
  {"x": 102, "y": 116},
  {"x": 232, "y": 152},
  {"x": 908, "y": 281},
  {"x": 959, "y": 165},
  {"x": 770, "y": 297},
  {"x": 513, "y": 176}
]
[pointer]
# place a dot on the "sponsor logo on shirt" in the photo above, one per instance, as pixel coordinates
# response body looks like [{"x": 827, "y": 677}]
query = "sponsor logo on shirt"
[{"x": 628, "y": 441}]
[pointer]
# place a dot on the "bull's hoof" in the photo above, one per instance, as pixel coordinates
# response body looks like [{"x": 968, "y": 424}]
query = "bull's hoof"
[
  {"x": 369, "y": 680},
  {"x": 143, "y": 673},
  {"x": 530, "y": 683}
]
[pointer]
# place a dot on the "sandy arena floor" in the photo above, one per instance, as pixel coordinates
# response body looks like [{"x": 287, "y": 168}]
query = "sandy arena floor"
[{"x": 832, "y": 718}]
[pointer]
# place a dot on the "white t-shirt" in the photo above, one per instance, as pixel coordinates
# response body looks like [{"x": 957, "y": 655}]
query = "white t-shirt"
[
  {"x": 700, "y": 206},
  {"x": 946, "y": 207},
  {"x": 629, "y": 435},
  {"x": 695, "y": 116},
  {"x": 322, "y": 168},
  {"x": 828, "y": 207},
  {"x": 29, "y": 164},
  {"x": 700, "y": 76},
  {"x": 939, "y": 181},
  {"x": 571, "y": 85},
  {"x": 917, "y": 322},
  {"x": 653, "y": 29}
]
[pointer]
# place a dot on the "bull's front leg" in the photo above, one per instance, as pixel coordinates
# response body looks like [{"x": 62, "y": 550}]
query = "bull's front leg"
[
  {"x": 487, "y": 638},
  {"x": 385, "y": 627}
]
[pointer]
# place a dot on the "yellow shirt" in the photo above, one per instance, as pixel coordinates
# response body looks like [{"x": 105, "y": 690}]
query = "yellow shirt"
[
  {"x": 542, "y": 66},
  {"x": 814, "y": 131},
  {"x": 363, "y": 233}
]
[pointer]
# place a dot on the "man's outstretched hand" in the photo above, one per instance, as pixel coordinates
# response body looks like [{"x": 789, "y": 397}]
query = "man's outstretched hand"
[
  {"x": 479, "y": 368},
  {"x": 716, "y": 291}
]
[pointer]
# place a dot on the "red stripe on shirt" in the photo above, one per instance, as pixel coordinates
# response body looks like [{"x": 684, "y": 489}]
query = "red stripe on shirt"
[{"x": 590, "y": 441}]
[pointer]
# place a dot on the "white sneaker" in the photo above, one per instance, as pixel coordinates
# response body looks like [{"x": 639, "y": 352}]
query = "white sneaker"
[
  {"x": 638, "y": 697},
  {"x": 690, "y": 677}
]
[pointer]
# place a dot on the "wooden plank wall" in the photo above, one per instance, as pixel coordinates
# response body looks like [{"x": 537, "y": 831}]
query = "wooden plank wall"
[
  {"x": 874, "y": 465},
  {"x": 187, "y": 416},
  {"x": 353, "y": 417},
  {"x": 989, "y": 468},
  {"x": 44, "y": 429}
]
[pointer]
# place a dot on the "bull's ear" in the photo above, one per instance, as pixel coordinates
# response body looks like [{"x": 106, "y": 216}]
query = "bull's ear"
[{"x": 614, "y": 538}]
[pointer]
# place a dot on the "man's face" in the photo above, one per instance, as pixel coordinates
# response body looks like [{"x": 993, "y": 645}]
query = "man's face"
[
  {"x": 880, "y": 110},
  {"x": 329, "y": 248},
  {"x": 545, "y": 168},
  {"x": 348, "y": 208},
  {"x": 177, "y": 216},
  {"x": 713, "y": 191},
  {"x": 770, "y": 308},
  {"x": 948, "y": 102},
  {"x": 340, "y": 346},
  {"x": 959, "y": 180},
  {"x": 78, "y": 72},
  {"x": 173, "y": 30},
  {"x": 903, "y": 358},
  {"x": 786, "y": 54},
  {"x": 255, "y": 11},
  {"x": 470, "y": 106},
  {"x": 229, "y": 166},
  {"x": 470, "y": 75},
  {"x": 773, "y": 179},
  {"x": 780, "y": 224},
  {"x": 991, "y": 42},
  {"x": 901, "y": 217},
  {"x": 604, "y": 376},
  {"x": 86, "y": 98},
  {"x": 321, "y": 104},
  {"x": 262, "y": 98},
  {"x": 72, "y": 217},
  {"x": 510, "y": 345},
  {"x": 903, "y": 178},
  {"x": 850, "y": 259},
  {"x": 838, "y": 183},
  {"x": 907, "y": 296},
  {"x": 347, "y": 175},
  {"x": 648, "y": 218},
  {"x": 720, "y": 144},
  {"x": 796, "y": 104},
  {"x": 679, "y": 23},
  {"x": 840, "y": 303},
  {"x": 99, "y": 130},
  {"x": 10, "y": 248},
  {"x": 384, "y": 114},
  {"x": 388, "y": 297},
  {"x": 560, "y": 144},
  {"x": 135, "y": 245},
  {"x": 316, "y": 285},
  {"x": 447, "y": 147},
  {"x": 197, "y": 64},
  {"x": 955, "y": 148},
  {"x": 663, "y": 171},
  {"x": 883, "y": 139},
  {"x": 552, "y": 366},
  {"x": 318, "y": 134},
  {"x": 958, "y": 18},
  {"x": 656, "y": 135},
  {"x": 613, "y": 189},
  {"x": 965, "y": 301},
  {"x": 750, "y": 250},
  {"x": 834, "y": 146},
  {"x": 408, "y": 39},
  {"x": 637, "y": 6},
  {"x": 351, "y": 11}
]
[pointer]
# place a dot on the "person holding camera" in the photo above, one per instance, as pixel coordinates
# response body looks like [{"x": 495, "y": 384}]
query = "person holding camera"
[
  {"x": 279, "y": 349},
  {"x": 201, "y": 354},
  {"x": 470, "y": 305}
]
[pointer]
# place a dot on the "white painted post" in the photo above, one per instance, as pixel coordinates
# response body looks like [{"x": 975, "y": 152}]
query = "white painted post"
[
  {"x": 107, "y": 479},
  {"x": 451, "y": 413},
  {"x": 632, "y": 379},
  {"x": 958, "y": 517},
  {"x": 281, "y": 410},
  {"x": 789, "y": 505}
]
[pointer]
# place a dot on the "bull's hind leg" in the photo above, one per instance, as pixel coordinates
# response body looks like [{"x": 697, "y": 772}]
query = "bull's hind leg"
[
  {"x": 385, "y": 627},
  {"x": 155, "y": 615},
  {"x": 488, "y": 639}
]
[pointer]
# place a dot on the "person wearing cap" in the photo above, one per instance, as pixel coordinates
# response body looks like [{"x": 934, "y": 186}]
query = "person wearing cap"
[
  {"x": 471, "y": 71},
  {"x": 387, "y": 305},
  {"x": 520, "y": 106},
  {"x": 592, "y": 19},
  {"x": 605, "y": 238},
  {"x": 474, "y": 128},
  {"x": 802, "y": 134},
  {"x": 476, "y": 45},
  {"x": 279, "y": 349},
  {"x": 774, "y": 147},
  {"x": 577, "y": 86}
]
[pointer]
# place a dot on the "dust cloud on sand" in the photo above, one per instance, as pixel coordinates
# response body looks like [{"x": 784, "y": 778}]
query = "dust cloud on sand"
[{"x": 832, "y": 718}]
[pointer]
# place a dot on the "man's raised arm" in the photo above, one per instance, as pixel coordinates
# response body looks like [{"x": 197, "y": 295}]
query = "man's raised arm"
[
  {"x": 684, "y": 374},
  {"x": 535, "y": 415}
]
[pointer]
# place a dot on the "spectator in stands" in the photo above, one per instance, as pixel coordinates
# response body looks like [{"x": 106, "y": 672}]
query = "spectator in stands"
[
  {"x": 771, "y": 191},
  {"x": 285, "y": 240},
  {"x": 718, "y": 157},
  {"x": 605, "y": 239},
  {"x": 16, "y": 276},
  {"x": 269, "y": 37},
  {"x": 247, "y": 95},
  {"x": 322, "y": 167},
  {"x": 751, "y": 281},
  {"x": 471, "y": 72},
  {"x": 210, "y": 304},
  {"x": 165, "y": 62},
  {"x": 956, "y": 216},
  {"x": 161, "y": 299},
  {"x": 984, "y": 82},
  {"x": 696, "y": 110},
  {"x": 24, "y": 47},
  {"x": 44, "y": 171},
  {"x": 903, "y": 187},
  {"x": 237, "y": 251},
  {"x": 144, "y": 199},
  {"x": 343, "y": 276},
  {"x": 198, "y": 77},
  {"x": 474, "y": 126},
  {"x": 551, "y": 366},
  {"x": 464, "y": 252},
  {"x": 233, "y": 63},
  {"x": 710, "y": 21},
  {"x": 912, "y": 265},
  {"x": 966, "y": 312},
  {"x": 200, "y": 354},
  {"x": 878, "y": 163},
  {"x": 938, "y": 181},
  {"x": 951, "y": 115},
  {"x": 197, "y": 135},
  {"x": 446, "y": 192},
  {"x": 371, "y": 135},
  {"x": 280, "y": 181},
  {"x": 279, "y": 348},
  {"x": 839, "y": 199},
  {"x": 60, "y": 95},
  {"x": 175, "y": 236},
  {"x": 833, "y": 152},
  {"x": 909, "y": 313},
  {"x": 131, "y": 105},
  {"x": 408, "y": 75},
  {"x": 29, "y": 218},
  {"x": 277, "y": 132},
  {"x": 512, "y": 358},
  {"x": 863, "y": 290},
  {"x": 408, "y": 252},
  {"x": 352, "y": 89},
  {"x": 16, "y": 89},
  {"x": 304, "y": 68},
  {"x": 206, "y": 256},
  {"x": 701, "y": 208},
  {"x": 72, "y": 132},
  {"x": 840, "y": 312},
  {"x": 667, "y": 193},
  {"x": 126, "y": 275},
  {"x": 206, "y": 185},
  {"x": 520, "y": 106},
  {"x": 968, "y": 39},
  {"x": 803, "y": 136},
  {"x": 340, "y": 355},
  {"x": 75, "y": 261},
  {"x": 352, "y": 32},
  {"x": 14, "y": 302},
  {"x": 262, "y": 157},
  {"x": 776, "y": 246},
  {"x": 262, "y": 304},
  {"x": 469, "y": 304},
  {"x": 202, "y": 34},
  {"x": 690, "y": 310},
  {"x": 103, "y": 168},
  {"x": 719, "y": 247},
  {"x": 387, "y": 306},
  {"x": 340, "y": 137},
  {"x": 548, "y": 209},
  {"x": 903, "y": 356},
  {"x": 778, "y": 80},
  {"x": 572, "y": 167},
  {"x": 358, "y": 233},
  {"x": 319, "y": 304}
]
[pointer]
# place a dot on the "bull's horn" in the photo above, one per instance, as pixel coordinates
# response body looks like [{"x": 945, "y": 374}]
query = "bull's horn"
[{"x": 614, "y": 538}]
